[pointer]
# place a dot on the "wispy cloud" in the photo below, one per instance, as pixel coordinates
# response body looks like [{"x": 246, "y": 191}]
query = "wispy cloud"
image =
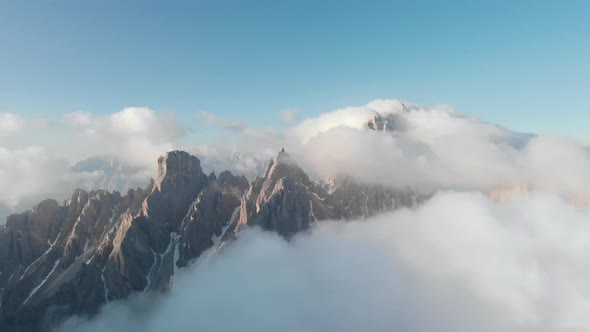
[
  {"x": 289, "y": 115},
  {"x": 11, "y": 123}
]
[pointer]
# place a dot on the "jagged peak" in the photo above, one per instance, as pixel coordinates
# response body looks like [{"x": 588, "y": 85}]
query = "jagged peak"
[
  {"x": 45, "y": 204},
  {"x": 212, "y": 177},
  {"x": 389, "y": 115},
  {"x": 269, "y": 166},
  {"x": 175, "y": 163},
  {"x": 283, "y": 156},
  {"x": 227, "y": 176}
]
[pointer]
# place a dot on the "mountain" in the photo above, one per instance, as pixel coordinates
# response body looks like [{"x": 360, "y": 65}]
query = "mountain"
[
  {"x": 285, "y": 200},
  {"x": 114, "y": 174},
  {"x": 57, "y": 260}
]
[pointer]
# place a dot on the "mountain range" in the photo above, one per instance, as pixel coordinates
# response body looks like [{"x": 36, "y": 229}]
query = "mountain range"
[{"x": 58, "y": 260}]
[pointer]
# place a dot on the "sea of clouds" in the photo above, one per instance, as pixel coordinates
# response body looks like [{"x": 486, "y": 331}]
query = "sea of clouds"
[{"x": 460, "y": 262}]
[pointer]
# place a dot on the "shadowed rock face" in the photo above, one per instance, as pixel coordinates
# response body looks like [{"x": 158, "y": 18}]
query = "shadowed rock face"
[
  {"x": 57, "y": 241},
  {"x": 62, "y": 259},
  {"x": 361, "y": 200},
  {"x": 212, "y": 212}
]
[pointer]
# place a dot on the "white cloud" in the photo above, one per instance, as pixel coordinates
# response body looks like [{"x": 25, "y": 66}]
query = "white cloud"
[
  {"x": 239, "y": 160},
  {"x": 78, "y": 119},
  {"x": 429, "y": 148},
  {"x": 209, "y": 117},
  {"x": 389, "y": 106},
  {"x": 11, "y": 123},
  {"x": 353, "y": 117},
  {"x": 458, "y": 263},
  {"x": 138, "y": 135},
  {"x": 31, "y": 174},
  {"x": 438, "y": 148},
  {"x": 40, "y": 123},
  {"x": 289, "y": 115}
]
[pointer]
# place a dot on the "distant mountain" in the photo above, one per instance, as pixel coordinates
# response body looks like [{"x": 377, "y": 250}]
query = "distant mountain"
[
  {"x": 57, "y": 260},
  {"x": 94, "y": 173},
  {"x": 114, "y": 173}
]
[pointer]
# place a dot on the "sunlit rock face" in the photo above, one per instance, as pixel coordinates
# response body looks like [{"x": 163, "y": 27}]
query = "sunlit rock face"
[{"x": 509, "y": 192}]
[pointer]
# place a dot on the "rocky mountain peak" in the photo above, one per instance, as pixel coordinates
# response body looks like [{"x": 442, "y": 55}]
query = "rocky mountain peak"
[
  {"x": 284, "y": 167},
  {"x": 284, "y": 199},
  {"x": 226, "y": 178},
  {"x": 176, "y": 165},
  {"x": 388, "y": 117}
]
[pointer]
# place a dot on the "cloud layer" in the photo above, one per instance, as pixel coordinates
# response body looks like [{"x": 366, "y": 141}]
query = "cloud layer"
[
  {"x": 458, "y": 263},
  {"x": 30, "y": 173},
  {"x": 426, "y": 148},
  {"x": 437, "y": 148},
  {"x": 10, "y": 124}
]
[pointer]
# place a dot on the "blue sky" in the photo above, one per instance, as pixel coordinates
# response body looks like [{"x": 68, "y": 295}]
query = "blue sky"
[{"x": 525, "y": 64}]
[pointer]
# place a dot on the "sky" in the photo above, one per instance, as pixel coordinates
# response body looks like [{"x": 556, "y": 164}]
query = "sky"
[{"x": 524, "y": 65}]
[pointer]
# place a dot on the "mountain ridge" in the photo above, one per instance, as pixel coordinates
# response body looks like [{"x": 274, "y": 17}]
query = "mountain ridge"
[{"x": 58, "y": 260}]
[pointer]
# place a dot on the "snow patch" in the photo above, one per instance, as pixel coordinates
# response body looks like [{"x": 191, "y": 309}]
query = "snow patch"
[
  {"x": 311, "y": 214},
  {"x": 104, "y": 283},
  {"x": 42, "y": 282},
  {"x": 51, "y": 245},
  {"x": 148, "y": 277}
]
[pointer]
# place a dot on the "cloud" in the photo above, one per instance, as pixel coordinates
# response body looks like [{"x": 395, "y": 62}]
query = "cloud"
[
  {"x": 31, "y": 174},
  {"x": 426, "y": 148},
  {"x": 437, "y": 148},
  {"x": 78, "y": 119},
  {"x": 389, "y": 106},
  {"x": 458, "y": 263},
  {"x": 11, "y": 123},
  {"x": 138, "y": 135},
  {"x": 353, "y": 117},
  {"x": 289, "y": 115},
  {"x": 209, "y": 117},
  {"x": 40, "y": 123},
  {"x": 241, "y": 161}
]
